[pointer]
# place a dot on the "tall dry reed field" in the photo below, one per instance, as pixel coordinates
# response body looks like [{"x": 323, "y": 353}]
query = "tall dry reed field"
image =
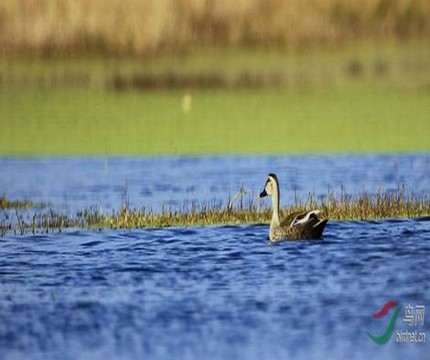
[{"x": 150, "y": 26}]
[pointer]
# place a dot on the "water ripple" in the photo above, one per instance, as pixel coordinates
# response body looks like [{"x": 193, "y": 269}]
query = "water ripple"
[{"x": 158, "y": 283}]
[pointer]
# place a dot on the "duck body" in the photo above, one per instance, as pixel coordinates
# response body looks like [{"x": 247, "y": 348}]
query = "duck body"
[{"x": 300, "y": 225}]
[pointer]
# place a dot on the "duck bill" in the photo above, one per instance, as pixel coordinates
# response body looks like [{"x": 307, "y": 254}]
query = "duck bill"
[{"x": 263, "y": 194}]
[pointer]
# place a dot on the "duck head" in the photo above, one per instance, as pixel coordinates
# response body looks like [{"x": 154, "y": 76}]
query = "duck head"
[{"x": 270, "y": 187}]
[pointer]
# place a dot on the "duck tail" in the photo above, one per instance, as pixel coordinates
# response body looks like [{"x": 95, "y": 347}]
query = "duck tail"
[{"x": 318, "y": 228}]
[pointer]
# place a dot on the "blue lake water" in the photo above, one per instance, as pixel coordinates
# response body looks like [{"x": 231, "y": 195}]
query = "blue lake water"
[
  {"x": 71, "y": 184},
  {"x": 210, "y": 292}
]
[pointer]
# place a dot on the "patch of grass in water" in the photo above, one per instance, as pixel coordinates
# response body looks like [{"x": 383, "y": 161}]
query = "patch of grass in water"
[
  {"x": 6, "y": 203},
  {"x": 363, "y": 206}
]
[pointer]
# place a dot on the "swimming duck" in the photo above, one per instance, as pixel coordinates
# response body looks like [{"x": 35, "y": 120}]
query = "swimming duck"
[{"x": 299, "y": 225}]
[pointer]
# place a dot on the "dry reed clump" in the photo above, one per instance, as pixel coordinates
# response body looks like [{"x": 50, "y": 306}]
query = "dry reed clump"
[
  {"x": 6, "y": 203},
  {"x": 383, "y": 205},
  {"x": 149, "y": 26}
]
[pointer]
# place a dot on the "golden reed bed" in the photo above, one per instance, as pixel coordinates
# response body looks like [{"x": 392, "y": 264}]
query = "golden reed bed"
[
  {"x": 150, "y": 26},
  {"x": 383, "y": 205}
]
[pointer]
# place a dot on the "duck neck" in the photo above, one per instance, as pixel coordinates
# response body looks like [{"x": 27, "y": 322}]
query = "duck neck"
[{"x": 275, "y": 204}]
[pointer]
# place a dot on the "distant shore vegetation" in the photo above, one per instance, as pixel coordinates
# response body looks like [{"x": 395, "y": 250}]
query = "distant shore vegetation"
[
  {"x": 149, "y": 27},
  {"x": 382, "y": 205},
  {"x": 374, "y": 97}
]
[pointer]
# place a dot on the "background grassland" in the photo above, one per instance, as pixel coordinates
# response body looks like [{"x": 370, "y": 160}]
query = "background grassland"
[
  {"x": 359, "y": 119},
  {"x": 355, "y": 99}
]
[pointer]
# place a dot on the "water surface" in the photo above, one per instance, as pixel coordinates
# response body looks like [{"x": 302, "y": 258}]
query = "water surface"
[
  {"x": 71, "y": 184},
  {"x": 214, "y": 292}
]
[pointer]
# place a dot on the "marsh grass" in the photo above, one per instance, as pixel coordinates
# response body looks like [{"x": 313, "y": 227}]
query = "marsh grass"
[
  {"x": 6, "y": 203},
  {"x": 363, "y": 206}
]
